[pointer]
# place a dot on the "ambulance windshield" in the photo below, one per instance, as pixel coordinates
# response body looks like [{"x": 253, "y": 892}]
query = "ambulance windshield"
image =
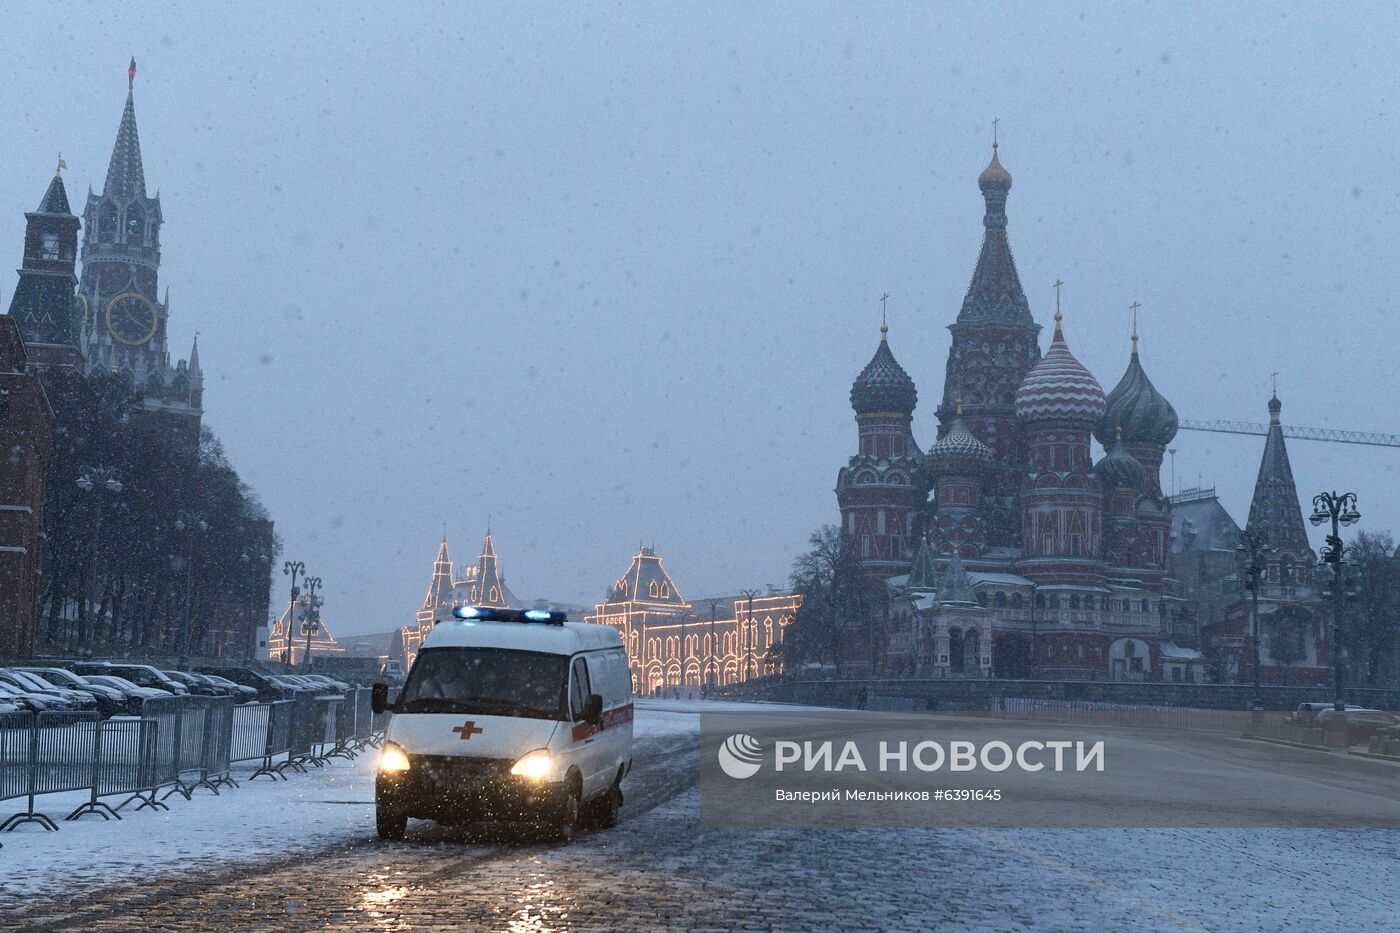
[{"x": 488, "y": 681}]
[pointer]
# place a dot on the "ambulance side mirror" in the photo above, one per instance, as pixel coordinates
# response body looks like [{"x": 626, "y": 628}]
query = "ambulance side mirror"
[
  {"x": 379, "y": 698},
  {"x": 593, "y": 710}
]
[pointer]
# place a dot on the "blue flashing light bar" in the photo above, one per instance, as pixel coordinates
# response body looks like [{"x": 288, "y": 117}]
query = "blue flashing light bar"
[{"x": 490, "y": 614}]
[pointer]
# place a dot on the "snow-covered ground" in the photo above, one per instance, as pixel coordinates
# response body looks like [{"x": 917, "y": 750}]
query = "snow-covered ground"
[
  {"x": 260, "y": 819},
  {"x": 662, "y": 868}
]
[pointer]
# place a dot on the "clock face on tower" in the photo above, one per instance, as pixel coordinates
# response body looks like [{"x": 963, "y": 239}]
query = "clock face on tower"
[
  {"x": 131, "y": 319},
  {"x": 82, "y": 303}
]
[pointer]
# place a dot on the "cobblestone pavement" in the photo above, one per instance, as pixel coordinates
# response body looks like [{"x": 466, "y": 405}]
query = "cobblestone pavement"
[{"x": 660, "y": 869}]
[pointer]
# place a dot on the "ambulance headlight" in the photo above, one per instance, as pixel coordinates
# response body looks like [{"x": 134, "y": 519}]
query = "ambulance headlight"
[
  {"x": 393, "y": 760},
  {"x": 533, "y": 766}
]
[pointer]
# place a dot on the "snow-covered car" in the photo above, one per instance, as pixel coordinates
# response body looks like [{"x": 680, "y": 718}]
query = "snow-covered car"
[
  {"x": 331, "y": 682},
  {"x": 267, "y": 686},
  {"x": 239, "y": 692},
  {"x": 143, "y": 675},
  {"x": 71, "y": 700},
  {"x": 32, "y": 702},
  {"x": 197, "y": 685},
  {"x": 110, "y": 700},
  {"x": 137, "y": 693}
]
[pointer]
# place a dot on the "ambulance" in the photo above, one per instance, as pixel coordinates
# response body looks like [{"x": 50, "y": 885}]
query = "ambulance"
[{"x": 508, "y": 716}]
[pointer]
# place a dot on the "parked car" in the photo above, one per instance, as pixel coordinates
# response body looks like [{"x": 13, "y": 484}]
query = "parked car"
[
  {"x": 1361, "y": 723},
  {"x": 1306, "y": 714},
  {"x": 70, "y": 700},
  {"x": 110, "y": 700},
  {"x": 31, "y": 702},
  {"x": 143, "y": 675},
  {"x": 240, "y": 693},
  {"x": 337, "y": 685},
  {"x": 136, "y": 694},
  {"x": 196, "y": 684},
  {"x": 269, "y": 690}
]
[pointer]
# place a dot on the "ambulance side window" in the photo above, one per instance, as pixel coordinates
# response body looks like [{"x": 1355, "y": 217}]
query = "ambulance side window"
[{"x": 579, "y": 688}]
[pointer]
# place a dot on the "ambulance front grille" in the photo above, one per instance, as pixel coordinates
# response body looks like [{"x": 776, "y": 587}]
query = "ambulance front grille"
[{"x": 455, "y": 768}]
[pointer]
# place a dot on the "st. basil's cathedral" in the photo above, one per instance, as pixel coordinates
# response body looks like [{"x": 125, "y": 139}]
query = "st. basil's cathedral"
[{"x": 1006, "y": 549}]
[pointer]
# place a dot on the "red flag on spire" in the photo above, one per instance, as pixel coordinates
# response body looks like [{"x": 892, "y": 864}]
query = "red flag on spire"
[{"x": 131, "y": 72}]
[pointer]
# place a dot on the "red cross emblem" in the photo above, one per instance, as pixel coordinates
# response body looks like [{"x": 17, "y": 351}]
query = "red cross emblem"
[{"x": 467, "y": 729}]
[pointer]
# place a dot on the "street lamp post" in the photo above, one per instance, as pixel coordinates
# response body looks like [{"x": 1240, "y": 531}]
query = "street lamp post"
[
  {"x": 1254, "y": 552},
  {"x": 293, "y": 569},
  {"x": 188, "y": 522},
  {"x": 103, "y": 481},
  {"x": 1340, "y": 508},
  {"x": 313, "y": 617}
]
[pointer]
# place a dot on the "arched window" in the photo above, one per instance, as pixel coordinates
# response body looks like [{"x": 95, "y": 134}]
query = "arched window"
[
  {"x": 1001, "y": 599},
  {"x": 107, "y": 223},
  {"x": 1074, "y": 601},
  {"x": 1146, "y": 606},
  {"x": 1127, "y": 606},
  {"x": 1054, "y": 600},
  {"x": 1040, "y": 600},
  {"x": 981, "y": 599},
  {"x": 135, "y": 224},
  {"x": 1015, "y": 600}
]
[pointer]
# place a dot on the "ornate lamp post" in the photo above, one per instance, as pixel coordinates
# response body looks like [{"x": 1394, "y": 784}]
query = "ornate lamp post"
[
  {"x": 293, "y": 569},
  {"x": 103, "y": 481},
  {"x": 312, "y": 622},
  {"x": 1254, "y": 552},
  {"x": 189, "y": 522},
  {"x": 1340, "y": 508}
]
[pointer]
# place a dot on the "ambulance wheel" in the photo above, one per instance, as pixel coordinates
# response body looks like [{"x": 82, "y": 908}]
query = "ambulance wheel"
[
  {"x": 605, "y": 817},
  {"x": 391, "y": 824},
  {"x": 567, "y": 816}
]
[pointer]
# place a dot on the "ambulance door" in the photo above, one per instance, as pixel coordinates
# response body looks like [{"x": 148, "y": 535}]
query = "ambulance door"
[{"x": 587, "y": 738}]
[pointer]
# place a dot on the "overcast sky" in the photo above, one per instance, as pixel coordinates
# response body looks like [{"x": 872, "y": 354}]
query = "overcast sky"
[{"x": 605, "y": 273}]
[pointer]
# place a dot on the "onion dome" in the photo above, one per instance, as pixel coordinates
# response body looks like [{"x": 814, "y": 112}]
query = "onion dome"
[
  {"x": 1118, "y": 467},
  {"x": 884, "y": 386},
  {"x": 994, "y": 175},
  {"x": 1137, "y": 409},
  {"x": 958, "y": 453},
  {"x": 1059, "y": 388}
]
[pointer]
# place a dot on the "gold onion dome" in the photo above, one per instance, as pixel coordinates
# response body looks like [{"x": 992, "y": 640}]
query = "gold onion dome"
[
  {"x": 994, "y": 175},
  {"x": 1059, "y": 388},
  {"x": 959, "y": 452},
  {"x": 883, "y": 386},
  {"x": 1118, "y": 467},
  {"x": 1138, "y": 409}
]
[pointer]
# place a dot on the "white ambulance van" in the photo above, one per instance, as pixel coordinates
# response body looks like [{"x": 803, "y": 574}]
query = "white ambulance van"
[{"x": 508, "y": 716}]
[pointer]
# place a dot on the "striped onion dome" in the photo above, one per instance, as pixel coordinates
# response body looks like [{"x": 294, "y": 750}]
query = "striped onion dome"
[
  {"x": 959, "y": 452},
  {"x": 1059, "y": 388},
  {"x": 1118, "y": 467},
  {"x": 883, "y": 387}
]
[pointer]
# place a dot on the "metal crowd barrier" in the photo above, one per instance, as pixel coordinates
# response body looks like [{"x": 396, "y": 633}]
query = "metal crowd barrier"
[
  {"x": 123, "y": 754},
  {"x": 58, "y": 758},
  {"x": 277, "y": 741},
  {"x": 178, "y": 744}
]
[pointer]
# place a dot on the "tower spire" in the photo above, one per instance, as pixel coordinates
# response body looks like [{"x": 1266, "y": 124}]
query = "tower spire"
[
  {"x": 884, "y": 322},
  {"x": 126, "y": 177}
]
